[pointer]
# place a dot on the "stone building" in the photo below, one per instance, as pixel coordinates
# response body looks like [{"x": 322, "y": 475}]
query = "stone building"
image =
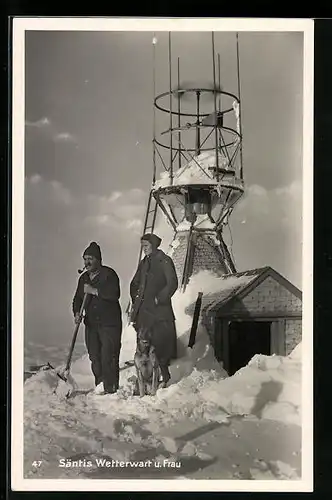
[
  {"x": 206, "y": 253},
  {"x": 255, "y": 312}
]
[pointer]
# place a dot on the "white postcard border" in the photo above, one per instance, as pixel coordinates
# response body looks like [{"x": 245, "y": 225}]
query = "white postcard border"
[{"x": 20, "y": 25}]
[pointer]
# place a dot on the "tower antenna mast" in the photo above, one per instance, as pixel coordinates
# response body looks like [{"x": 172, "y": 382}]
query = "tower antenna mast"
[
  {"x": 215, "y": 107},
  {"x": 199, "y": 199},
  {"x": 154, "y": 41},
  {"x": 240, "y": 104},
  {"x": 170, "y": 104}
]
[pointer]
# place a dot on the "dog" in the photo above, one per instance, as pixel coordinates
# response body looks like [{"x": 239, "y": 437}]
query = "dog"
[{"x": 146, "y": 364}]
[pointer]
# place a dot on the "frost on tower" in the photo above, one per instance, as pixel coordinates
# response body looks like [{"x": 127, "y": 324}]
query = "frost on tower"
[
  {"x": 198, "y": 174},
  {"x": 197, "y": 181}
]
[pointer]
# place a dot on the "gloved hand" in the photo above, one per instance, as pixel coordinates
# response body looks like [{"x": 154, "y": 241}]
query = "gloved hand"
[
  {"x": 90, "y": 289},
  {"x": 77, "y": 318}
]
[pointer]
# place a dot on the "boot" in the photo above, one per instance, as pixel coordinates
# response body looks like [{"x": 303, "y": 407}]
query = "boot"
[{"x": 165, "y": 376}]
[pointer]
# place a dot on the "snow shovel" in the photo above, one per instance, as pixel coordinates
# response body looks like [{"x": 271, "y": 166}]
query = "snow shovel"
[{"x": 69, "y": 383}]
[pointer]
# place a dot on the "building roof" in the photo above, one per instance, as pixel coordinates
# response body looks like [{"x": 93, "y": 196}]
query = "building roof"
[{"x": 240, "y": 284}]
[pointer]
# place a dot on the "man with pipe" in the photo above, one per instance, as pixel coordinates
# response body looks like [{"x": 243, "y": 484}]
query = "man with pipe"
[{"x": 103, "y": 321}]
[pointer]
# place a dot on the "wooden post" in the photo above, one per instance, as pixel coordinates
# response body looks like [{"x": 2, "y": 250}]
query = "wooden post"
[
  {"x": 225, "y": 344},
  {"x": 278, "y": 341},
  {"x": 217, "y": 334},
  {"x": 282, "y": 336},
  {"x": 274, "y": 338}
]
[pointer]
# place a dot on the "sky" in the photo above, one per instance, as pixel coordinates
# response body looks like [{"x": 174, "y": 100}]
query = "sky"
[{"x": 88, "y": 154}]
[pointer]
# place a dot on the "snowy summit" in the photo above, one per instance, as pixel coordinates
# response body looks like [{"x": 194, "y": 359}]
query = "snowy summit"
[{"x": 183, "y": 424}]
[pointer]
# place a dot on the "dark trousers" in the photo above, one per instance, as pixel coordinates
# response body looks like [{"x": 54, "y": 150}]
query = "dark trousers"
[{"x": 103, "y": 344}]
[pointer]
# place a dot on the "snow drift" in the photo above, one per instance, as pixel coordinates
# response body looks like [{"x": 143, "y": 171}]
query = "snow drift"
[
  {"x": 268, "y": 387},
  {"x": 119, "y": 425},
  {"x": 124, "y": 427}
]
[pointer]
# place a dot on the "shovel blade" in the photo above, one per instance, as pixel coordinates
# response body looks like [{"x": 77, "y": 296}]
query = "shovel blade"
[
  {"x": 63, "y": 390},
  {"x": 62, "y": 376}
]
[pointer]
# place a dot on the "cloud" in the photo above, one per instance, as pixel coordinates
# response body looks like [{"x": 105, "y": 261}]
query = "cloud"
[
  {"x": 47, "y": 192},
  {"x": 61, "y": 193},
  {"x": 135, "y": 224},
  {"x": 274, "y": 205},
  {"x": 64, "y": 137},
  {"x": 119, "y": 210},
  {"x": 45, "y": 126},
  {"x": 35, "y": 179},
  {"x": 115, "y": 196},
  {"x": 266, "y": 229},
  {"x": 98, "y": 220},
  {"x": 43, "y": 122},
  {"x": 62, "y": 224}
]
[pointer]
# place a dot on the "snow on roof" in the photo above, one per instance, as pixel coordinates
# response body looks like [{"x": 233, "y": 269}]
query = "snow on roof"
[
  {"x": 197, "y": 172},
  {"x": 233, "y": 284},
  {"x": 226, "y": 287}
]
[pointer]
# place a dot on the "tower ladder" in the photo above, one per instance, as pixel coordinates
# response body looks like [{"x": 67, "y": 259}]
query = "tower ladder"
[
  {"x": 150, "y": 218},
  {"x": 149, "y": 223}
]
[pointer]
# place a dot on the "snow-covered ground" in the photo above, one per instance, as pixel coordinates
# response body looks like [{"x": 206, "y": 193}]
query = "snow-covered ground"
[{"x": 203, "y": 425}]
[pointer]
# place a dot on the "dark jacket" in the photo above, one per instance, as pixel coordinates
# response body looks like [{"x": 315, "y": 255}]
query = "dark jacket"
[
  {"x": 103, "y": 309},
  {"x": 155, "y": 278}
]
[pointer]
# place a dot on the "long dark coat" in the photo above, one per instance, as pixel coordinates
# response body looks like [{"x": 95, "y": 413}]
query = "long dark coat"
[{"x": 156, "y": 278}]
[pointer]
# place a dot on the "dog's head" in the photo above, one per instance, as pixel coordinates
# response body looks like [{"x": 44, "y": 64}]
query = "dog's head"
[{"x": 144, "y": 340}]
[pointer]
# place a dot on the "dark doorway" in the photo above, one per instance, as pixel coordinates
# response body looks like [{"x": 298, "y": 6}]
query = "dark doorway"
[{"x": 247, "y": 338}]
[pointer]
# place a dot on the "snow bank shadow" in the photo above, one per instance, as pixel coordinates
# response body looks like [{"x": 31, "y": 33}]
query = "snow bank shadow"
[
  {"x": 143, "y": 454},
  {"x": 204, "y": 429},
  {"x": 269, "y": 393}
]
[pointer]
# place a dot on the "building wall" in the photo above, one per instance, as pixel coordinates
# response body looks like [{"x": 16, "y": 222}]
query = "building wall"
[
  {"x": 293, "y": 334},
  {"x": 272, "y": 300},
  {"x": 206, "y": 255},
  {"x": 269, "y": 297},
  {"x": 179, "y": 255}
]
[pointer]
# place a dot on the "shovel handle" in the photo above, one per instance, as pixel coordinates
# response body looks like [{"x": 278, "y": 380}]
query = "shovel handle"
[{"x": 76, "y": 332}]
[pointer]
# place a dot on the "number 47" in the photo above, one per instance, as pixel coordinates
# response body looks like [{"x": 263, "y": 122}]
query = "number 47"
[{"x": 37, "y": 463}]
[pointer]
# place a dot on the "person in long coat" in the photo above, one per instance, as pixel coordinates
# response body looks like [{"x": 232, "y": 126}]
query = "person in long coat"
[
  {"x": 151, "y": 291},
  {"x": 103, "y": 320}
]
